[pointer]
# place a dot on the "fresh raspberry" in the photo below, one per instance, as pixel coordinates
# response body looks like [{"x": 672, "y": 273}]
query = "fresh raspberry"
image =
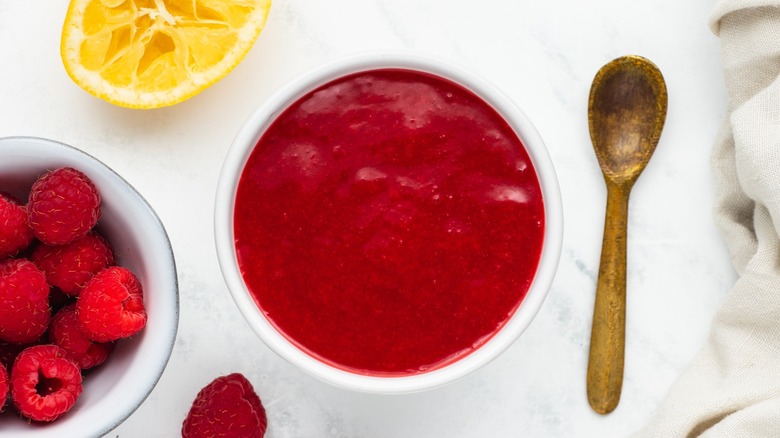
[
  {"x": 3, "y": 387},
  {"x": 15, "y": 231},
  {"x": 24, "y": 301},
  {"x": 70, "y": 266},
  {"x": 63, "y": 206},
  {"x": 45, "y": 382},
  {"x": 226, "y": 407},
  {"x": 111, "y": 305},
  {"x": 65, "y": 332}
]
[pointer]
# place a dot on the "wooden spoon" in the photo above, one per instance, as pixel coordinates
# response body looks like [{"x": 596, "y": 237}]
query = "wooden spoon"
[{"x": 626, "y": 113}]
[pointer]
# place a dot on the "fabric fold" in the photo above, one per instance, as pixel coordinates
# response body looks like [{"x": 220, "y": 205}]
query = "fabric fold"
[{"x": 732, "y": 387}]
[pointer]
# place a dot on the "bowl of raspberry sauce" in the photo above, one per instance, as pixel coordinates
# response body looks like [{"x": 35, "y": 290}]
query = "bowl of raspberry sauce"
[{"x": 388, "y": 223}]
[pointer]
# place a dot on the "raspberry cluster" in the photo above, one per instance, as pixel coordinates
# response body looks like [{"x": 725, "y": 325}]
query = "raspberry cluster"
[{"x": 63, "y": 300}]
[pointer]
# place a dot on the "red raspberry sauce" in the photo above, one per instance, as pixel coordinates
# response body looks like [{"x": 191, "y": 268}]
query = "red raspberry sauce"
[{"x": 389, "y": 222}]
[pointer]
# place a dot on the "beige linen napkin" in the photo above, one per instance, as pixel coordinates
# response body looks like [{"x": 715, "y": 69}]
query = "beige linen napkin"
[{"x": 732, "y": 387}]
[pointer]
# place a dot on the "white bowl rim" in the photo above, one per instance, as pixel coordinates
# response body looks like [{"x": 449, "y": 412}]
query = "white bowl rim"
[
  {"x": 250, "y": 133},
  {"x": 163, "y": 343}
]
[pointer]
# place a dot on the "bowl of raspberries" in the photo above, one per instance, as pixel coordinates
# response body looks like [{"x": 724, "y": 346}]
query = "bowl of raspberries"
[{"x": 88, "y": 293}]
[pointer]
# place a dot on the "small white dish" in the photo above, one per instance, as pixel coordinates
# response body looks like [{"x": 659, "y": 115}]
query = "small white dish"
[
  {"x": 247, "y": 138},
  {"x": 114, "y": 390}
]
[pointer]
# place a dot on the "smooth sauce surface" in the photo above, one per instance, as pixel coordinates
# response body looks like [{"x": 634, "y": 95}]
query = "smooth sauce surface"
[{"x": 389, "y": 222}]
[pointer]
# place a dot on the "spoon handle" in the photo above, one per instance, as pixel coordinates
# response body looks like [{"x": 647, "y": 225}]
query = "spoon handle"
[{"x": 608, "y": 334}]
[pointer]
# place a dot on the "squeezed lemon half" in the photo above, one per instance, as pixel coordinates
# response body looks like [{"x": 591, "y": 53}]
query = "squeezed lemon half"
[{"x": 155, "y": 53}]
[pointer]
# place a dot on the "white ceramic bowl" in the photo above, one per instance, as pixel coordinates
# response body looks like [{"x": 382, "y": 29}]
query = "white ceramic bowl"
[
  {"x": 113, "y": 391},
  {"x": 248, "y": 137}
]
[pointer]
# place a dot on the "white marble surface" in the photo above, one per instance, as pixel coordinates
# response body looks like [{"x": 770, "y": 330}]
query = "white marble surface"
[{"x": 543, "y": 55}]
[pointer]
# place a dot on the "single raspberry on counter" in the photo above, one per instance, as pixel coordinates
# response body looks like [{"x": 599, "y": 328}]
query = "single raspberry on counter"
[
  {"x": 3, "y": 387},
  {"x": 226, "y": 407},
  {"x": 15, "y": 231},
  {"x": 70, "y": 266},
  {"x": 65, "y": 332},
  {"x": 63, "y": 206},
  {"x": 24, "y": 301},
  {"x": 111, "y": 305},
  {"x": 45, "y": 382}
]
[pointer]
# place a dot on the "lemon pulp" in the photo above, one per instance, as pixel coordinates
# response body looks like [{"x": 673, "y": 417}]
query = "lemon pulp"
[{"x": 155, "y": 53}]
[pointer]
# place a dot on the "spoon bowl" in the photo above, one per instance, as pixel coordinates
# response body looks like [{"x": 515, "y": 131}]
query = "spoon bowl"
[{"x": 626, "y": 113}]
